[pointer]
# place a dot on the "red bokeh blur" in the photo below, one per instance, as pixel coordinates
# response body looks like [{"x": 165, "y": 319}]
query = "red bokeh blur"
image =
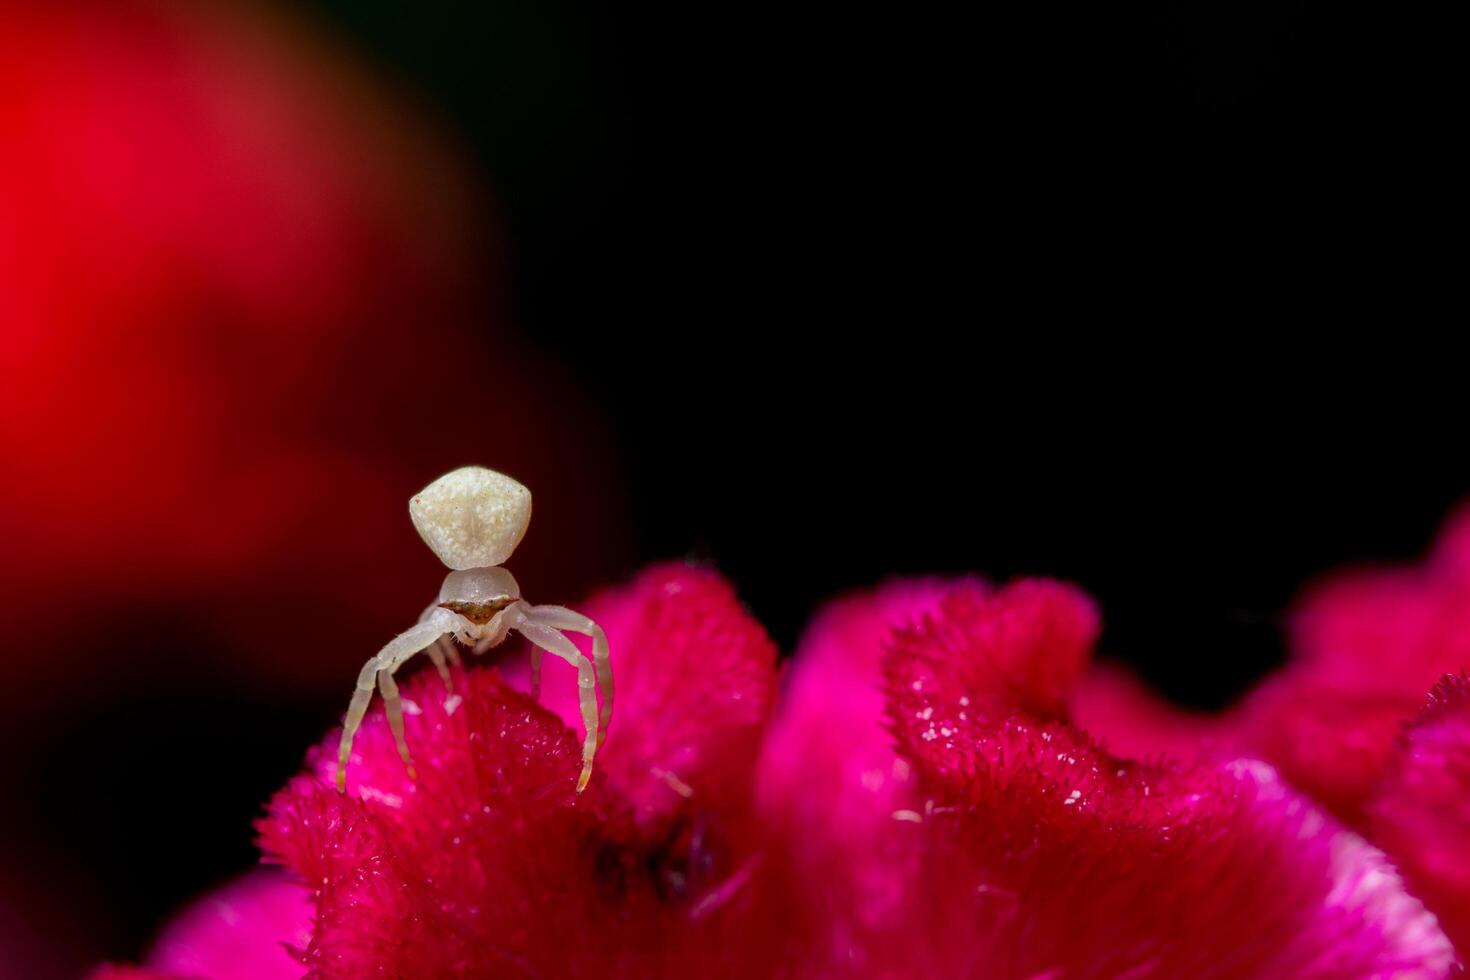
[
  {"x": 246, "y": 308},
  {"x": 251, "y": 298}
]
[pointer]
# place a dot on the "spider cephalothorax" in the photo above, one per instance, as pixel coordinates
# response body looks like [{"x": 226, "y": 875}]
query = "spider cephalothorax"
[{"x": 473, "y": 518}]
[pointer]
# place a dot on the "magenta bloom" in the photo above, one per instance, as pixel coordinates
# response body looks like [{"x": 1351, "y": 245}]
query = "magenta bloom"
[
  {"x": 1421, "y": 813},
  {"x": 920, "y": 803},
  {"x": 830, "y": 778},
  {"x": 490, "y": 865},
  {"x": 1115, "y": 706},
  {"x": 1054, "y": 829},
  {"x": 1366, "y": 646},
  {"x": 1033, "y": 852}
]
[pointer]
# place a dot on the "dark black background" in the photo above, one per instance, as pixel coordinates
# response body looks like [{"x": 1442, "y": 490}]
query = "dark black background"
[
  {"x": 1129, "y": 296},
  {"x": 1125, "y": 295}
]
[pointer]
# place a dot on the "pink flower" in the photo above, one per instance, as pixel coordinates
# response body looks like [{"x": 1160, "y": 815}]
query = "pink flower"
[
  {"x": 1027, "y": 850},
  {"x": 1037, "y": 830},
  {"x": 922, "y": 804},
  {"x": 491, "y": 865},
  {"x": 830, "y": 779},
  {"x": 1121, "y": 711},
  {"x": 1421, "y": 812},
  {"x": 1366, "y": 646},
  {"x": 696, "y": 684}
]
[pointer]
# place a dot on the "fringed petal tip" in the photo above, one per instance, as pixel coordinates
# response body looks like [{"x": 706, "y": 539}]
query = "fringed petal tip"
[
  {"x": 828, "y": 760},
  {"x": 979, "y": 659}
]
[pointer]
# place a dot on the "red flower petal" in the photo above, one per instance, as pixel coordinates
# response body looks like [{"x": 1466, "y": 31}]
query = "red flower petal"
[
  {"x": 1231, "y": 875},
  {"x": 1421, "y": 813},
  {"x": 421, "y": 878},
  {"x": 1389, "y": 630},
  {"x": 830, "y": 781},
  {"x": 1330, "y": 742},
  {"x": 490, "y": 864},
  {"x": 1366, "y": 645},
  {"x": 828, "y": 764},
  {"x": 1133, "y": 721},
  {"x": 981, "y": 655},
  {"x": 696, "y": 682},
  {"x": 1049, "y": 856},
  {"x": 1395, "y": 629}
]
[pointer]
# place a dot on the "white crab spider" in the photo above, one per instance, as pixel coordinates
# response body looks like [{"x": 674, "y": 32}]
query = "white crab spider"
[{"x": 473, "y": 518}]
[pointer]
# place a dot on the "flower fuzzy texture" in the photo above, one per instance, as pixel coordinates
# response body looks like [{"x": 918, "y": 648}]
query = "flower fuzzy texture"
[
  {"x": 921, "y": 803},
  {"x": 1053, "y": 857},
  {"x": 491, "y": 865}
]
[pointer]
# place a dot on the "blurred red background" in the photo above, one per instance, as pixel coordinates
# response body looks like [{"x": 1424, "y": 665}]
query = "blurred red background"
[{"x": 251, "y": 298}]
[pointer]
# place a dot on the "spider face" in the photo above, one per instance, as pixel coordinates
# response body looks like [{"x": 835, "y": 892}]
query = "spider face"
[
  {"x": 472, "y": 517},
  {"x": 479, "y": 613}
]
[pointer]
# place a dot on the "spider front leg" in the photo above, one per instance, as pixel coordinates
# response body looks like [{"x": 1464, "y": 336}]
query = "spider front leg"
[
  {"x": 399, "y": 649},
  {"x": 393, "y": 708},
  {"x": 554, "y": 643},
  {"x": 355, "y": 710},
  {"x": 562, "y": 618},
  {"x": 441, "y": 651},
  {"x": 502, "y": 625},
  {"x": 435, "y": 651}
]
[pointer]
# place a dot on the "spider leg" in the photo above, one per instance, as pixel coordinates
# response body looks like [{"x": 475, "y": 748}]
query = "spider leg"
[
  {"x": 393, "y": 707},
  {"x": 442, "y": 649},
  {"x": 536, "y": 655},
  {"x": 562, "y": 618},
  {"x": 399, "y": 649},
  {"x": 555, "y": 643},
  {"x": 360, "y": 698},
  {"x": 435, "y": 651}
]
